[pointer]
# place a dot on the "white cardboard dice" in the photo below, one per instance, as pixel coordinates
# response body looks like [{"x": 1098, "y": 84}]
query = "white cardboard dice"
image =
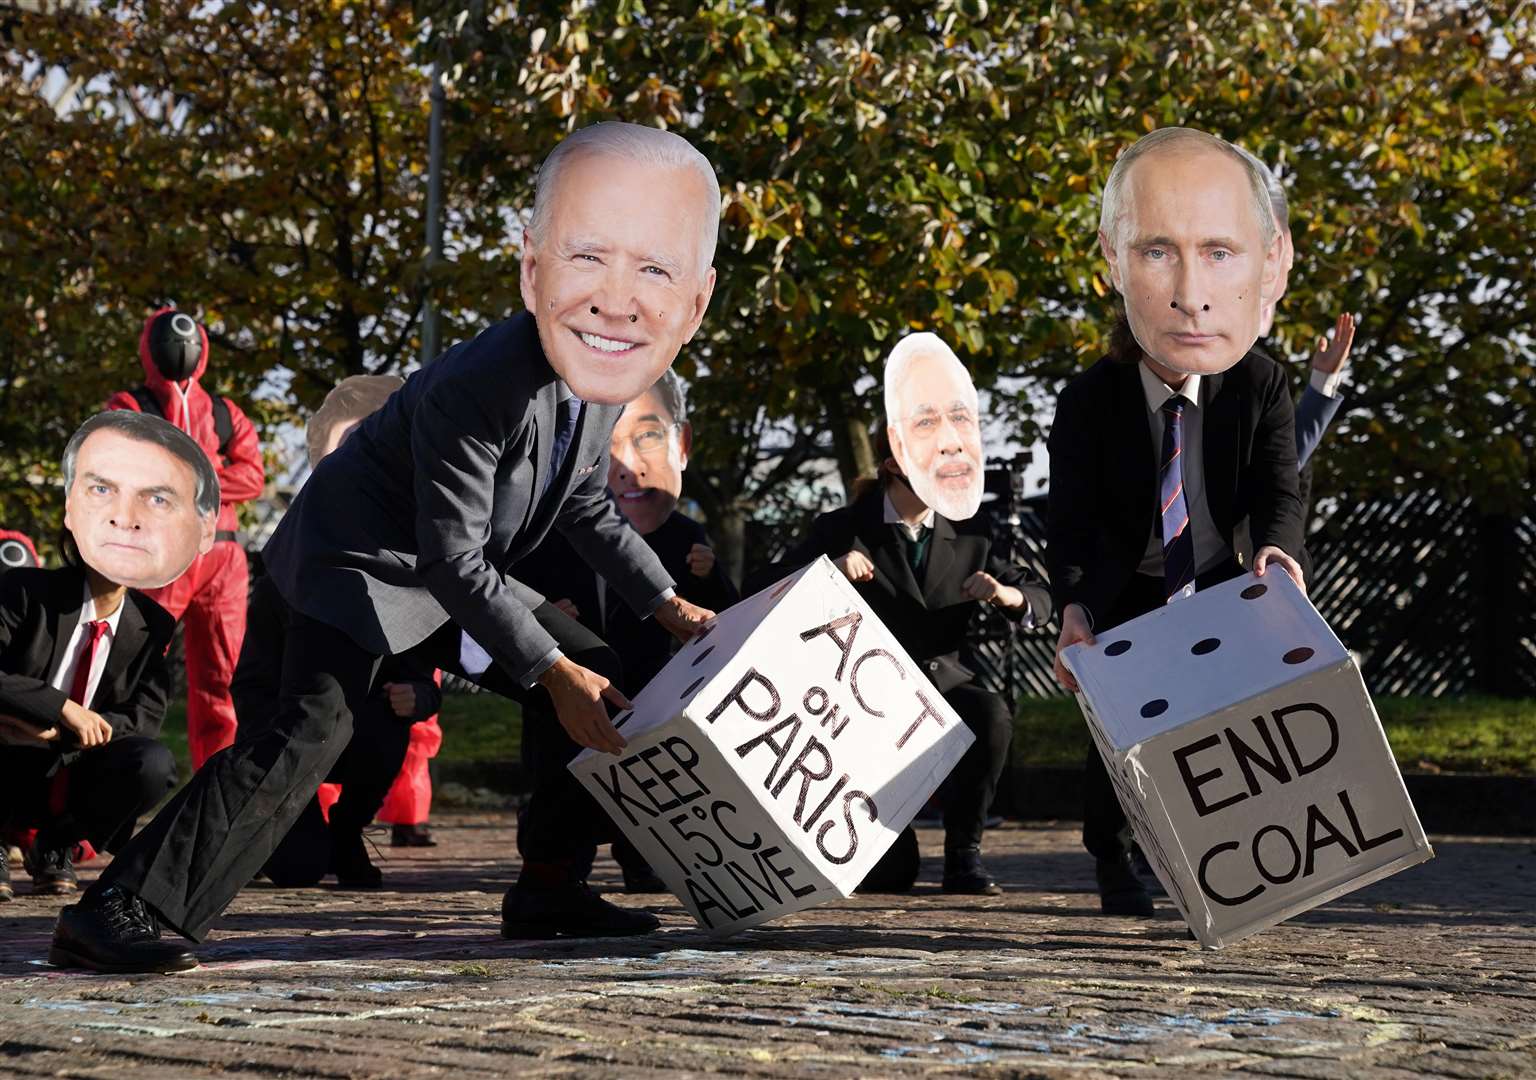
[
  {"x": 773, "y": 761},
  {"x": 1247, "y": 755}
]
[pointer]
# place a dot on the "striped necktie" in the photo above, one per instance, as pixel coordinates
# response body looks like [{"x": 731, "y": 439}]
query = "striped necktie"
[{"x": 1173, "y": 522}]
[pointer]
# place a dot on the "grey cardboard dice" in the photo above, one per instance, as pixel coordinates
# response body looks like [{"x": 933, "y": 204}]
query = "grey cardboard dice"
[
  {"x": 1247, "y": 755},
  {"x": 773, "y": 761}
]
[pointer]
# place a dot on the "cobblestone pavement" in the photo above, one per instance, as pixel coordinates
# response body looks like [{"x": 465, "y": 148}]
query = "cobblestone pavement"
[{"x": 1430, "y": 973}]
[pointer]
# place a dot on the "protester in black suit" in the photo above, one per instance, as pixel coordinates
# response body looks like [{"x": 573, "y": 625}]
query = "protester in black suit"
[
  {"x": 925, "y": 578},
  {"x": 1160, "y": 449},
  {"x": 83, "y": 678},
  {"x": 402, "y": 540},
  {"x": 404, "y": 693},
  {"x": 649, "y": 452}
]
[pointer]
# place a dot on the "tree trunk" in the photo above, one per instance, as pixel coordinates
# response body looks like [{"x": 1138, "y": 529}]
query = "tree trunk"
[
  {"x": 850, "y": 438},
  {"x": 729, "y": 532}
]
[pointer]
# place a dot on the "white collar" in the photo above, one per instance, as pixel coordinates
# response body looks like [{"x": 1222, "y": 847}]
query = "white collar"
[
  {"x": 1158, "y": 392},
  {"x": 893, "y": 516},
  {"x": 88, "y": 610}
]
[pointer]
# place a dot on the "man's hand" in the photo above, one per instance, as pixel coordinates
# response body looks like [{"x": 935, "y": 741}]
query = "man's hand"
[
  {"x": 701, "y": 560},
  {"x": 88, "y": 728},
  {"x": 578, "y": 694},
  {"x": 402, "y": 698},
  {"x": 1333, "y": 355},
  {"x": 856, "y": 566},
  {"x": 1074, "y": 631},
  {"x": 567, "y": 605},
  {"x": 681, "y": 619},
  {"x": 987, "y": 589},
  {"x": 1271, "y": 554}
]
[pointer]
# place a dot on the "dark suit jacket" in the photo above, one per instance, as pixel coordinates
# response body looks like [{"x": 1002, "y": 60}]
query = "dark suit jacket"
[
  {"x": 931, "y": 618},
  {"x": 643, "y": 647},
  {"x": 417, "y": 517},
  {"x": 39, "y": 610},
  {"x": 1103, "y": 494}
]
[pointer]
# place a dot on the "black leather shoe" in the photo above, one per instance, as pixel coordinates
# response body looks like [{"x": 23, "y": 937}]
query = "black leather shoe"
[
  {"x": 965, "y": 875},
  {"x": 1121, "y": 892},
  {"x": 350, "y": 862},
  {"x": 53, "y": 874},
  {"x": 639, "y": 880},
  {"x": 411, "y": 836},
  {"x": 112, "y": 930},
  {"x": 6, "y": 892},
  {"x": 569, "y": 910}
]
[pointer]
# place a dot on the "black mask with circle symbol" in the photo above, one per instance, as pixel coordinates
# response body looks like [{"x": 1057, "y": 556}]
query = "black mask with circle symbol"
[{"x": 175, "y": 345}]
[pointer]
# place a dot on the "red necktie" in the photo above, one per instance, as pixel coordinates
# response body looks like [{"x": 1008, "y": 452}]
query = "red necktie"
[{"x": 94, "y": 632}]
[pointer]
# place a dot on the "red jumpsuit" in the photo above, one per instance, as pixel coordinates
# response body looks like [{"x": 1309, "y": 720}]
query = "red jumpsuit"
[{"x": 210, "y": 597}]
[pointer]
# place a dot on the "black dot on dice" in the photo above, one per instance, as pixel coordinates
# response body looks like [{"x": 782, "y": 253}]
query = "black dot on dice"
[
  {"x": 698, "y": 812},
  {"x": 1208, "y": 645},
  {"x": 620, "y": 720},
  {"x": 1253, "y": 592},
  {"x": 1116, "y": 648},
  {"x": 1299, "y": 655},
  {"x": 1156, "y": 707},
  {"x": 693, "y": 686},
  {"x": 701, "y": 656},
  {"x": 704, "y": 633}
]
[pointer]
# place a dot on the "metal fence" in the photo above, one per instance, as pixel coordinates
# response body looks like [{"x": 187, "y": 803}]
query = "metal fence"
[{"x": 1433, "y": 596}]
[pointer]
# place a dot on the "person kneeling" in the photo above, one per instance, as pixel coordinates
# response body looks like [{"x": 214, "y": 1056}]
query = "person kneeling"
[{"x": 83, "y": 676}]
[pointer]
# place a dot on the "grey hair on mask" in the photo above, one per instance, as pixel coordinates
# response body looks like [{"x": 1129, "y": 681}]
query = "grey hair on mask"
[
  {"x": 1112, "y": 211},
  {"x": 1279, "y": 205},
  {"x": 631, "y": 142},
  {"x": 150, "y": 429}
]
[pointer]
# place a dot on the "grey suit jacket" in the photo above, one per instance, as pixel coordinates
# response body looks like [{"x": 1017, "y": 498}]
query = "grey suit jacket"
[
  {"x": 1314, "y": 412},
  {"x": 417, "y": 517}
]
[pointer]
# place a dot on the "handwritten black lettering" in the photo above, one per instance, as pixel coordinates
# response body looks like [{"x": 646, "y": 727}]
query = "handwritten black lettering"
[
  {"x": 852, "y": 620},
  {"x": 737, "y": 697},
  {"x": 853, "y": 833}
]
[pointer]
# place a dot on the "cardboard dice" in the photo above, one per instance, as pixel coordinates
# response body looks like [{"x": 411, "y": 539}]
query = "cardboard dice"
[
  {"x": 1247, "y": 755},
  {"x": 773, "y": 761}
]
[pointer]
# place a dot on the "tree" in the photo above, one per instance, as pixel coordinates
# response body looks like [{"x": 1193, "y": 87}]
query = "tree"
[
  {"x": 909, "y": 166},
  {"x": 257, "y": 165}
]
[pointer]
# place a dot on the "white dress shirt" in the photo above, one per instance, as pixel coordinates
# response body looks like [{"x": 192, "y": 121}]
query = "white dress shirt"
[
  {"x": 1210, "y": 548},
  {"x": 1327, "y": 383},
  {"x": 64, "y": 678},
  {"x": 913, "y": 531}
]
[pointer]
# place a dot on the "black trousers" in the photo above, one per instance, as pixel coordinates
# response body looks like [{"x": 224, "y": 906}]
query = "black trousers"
[
  {"x": 365, "y": 769},
  {"x": 1106, "y": 832},
  {"x": 106, "y": 789},
  {"x": 968, "y": 791},
  {"x": 213, "y": 837}
]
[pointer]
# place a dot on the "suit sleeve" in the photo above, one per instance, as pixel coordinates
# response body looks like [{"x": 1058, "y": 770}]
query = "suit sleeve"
[
  {"x": 1074, "y": 545},
  {"x": 1314, "y": 414},
  {"x": 144, "y": 711},
  {"x": 1275, "y": 511},
  {"x": 1036, "y": 595},
  {"x": 592, "y": 523},
  {"x": 242, "y": 474},
  {"x": 458, "y": 436},
  {"x": 25, "y": 697}
]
